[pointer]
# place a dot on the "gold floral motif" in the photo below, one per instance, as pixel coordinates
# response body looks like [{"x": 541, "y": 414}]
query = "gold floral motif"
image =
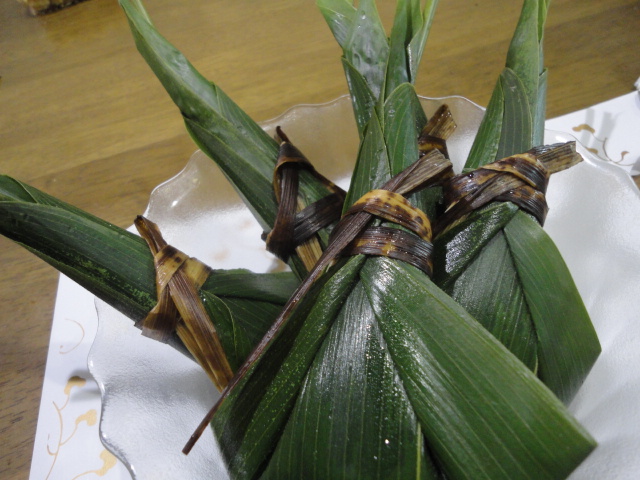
[
  {"x": 108, "y": 462},
  {"x": 90, "y": 418},
  {"x": 601, "y": 152},
  {"x": 77, "y": 344}
]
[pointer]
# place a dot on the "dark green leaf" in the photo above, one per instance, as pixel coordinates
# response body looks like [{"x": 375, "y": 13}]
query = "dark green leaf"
[
  {"x": 485, "y": 145},
  {"x": 483, "y": 413},
  {"x": 242, "y": 150},
  {"x": 117, "y": 266},
  {"x": 372, "y": 166},
  {"x": 340, "y": 16},
  {"x": 490, "y": 290},
  {"x": 421, "y": 28},
  {"x": 352, "y": 410},
  {"x": 457, "y": 247},
  {"x": 561, "y": 321},
  {"x": 502, "y": 300},
  {"x": 362, "y": 98},
  {"x": 517, "y": 123},
  {"x": 250, "y": 420},
  {"x": 408, "y": 37},
  {"x": 524, "y": 55},
  {"x": 367, "y": 48},
  {"x": 540, "y": 111}
]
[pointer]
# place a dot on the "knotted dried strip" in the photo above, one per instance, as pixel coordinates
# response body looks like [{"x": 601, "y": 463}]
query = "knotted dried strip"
[
  {"x": 179, "y": 308},
  {"x": 394, "y": 243},
  {"x": 435, "y": 133},
  {"x": 557, "y": 156},
  {"x": 395, "y": 208},
  {"x": 317, "y": 216},
  {"x": 521, "y": 179},
  {"x": 431, "y": 169},
  {"x": 282, "y": 240}
]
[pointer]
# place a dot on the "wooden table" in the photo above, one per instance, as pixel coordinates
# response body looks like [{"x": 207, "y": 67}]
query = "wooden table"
[{"x": 83, "y": 118}]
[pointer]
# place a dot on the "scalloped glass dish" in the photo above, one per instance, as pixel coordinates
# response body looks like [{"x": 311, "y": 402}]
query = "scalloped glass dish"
[{"x": 153, "y": 397}]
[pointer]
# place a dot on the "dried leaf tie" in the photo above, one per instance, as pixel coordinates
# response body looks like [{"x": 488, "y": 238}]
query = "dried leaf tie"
[
  {"x": 179, "y": 308},
  {"x": 414, "y": 248},
  {"x": 521, "y": 179},
  {"x": 296, "y": 224},
  {"x": 435, "y": 133}
]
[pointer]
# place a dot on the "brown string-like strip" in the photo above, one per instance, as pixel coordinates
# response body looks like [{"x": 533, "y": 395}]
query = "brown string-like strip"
[
  {"x": 521, "y": 179},
  {"x": 179, "y": 308},
  {"x": 435, "y": 133},
  {"x": 393, "y": 243},
  {"x": 291, "y": 230}
]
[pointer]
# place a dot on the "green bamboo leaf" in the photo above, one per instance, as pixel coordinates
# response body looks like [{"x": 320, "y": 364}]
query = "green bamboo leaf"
[
  {"x": 382, "y": 64},
  {"x": 398, "y": 71},
  {"x": 367, "y": 47},
  {"x": 340, "y": 16},
  {"x": 524, "y": 72},
  {"x": 540, "y": 113},
  {"x": 417, "y": 44},
  {"x": 117, "y": 266},
  {"x": 403, "y": 121},
  {"x": 242, "y": 150},
  {"x": 550, "y": 291},
  {"x": 389, "y": 143},
  {"x": 352, "y": 403},
  {"x": 372, "y": 166},
  {"x": 524, "y": 54},
  {"x": 250, "y": 420},
  {"x": 490, "y": 290},
  {"x": 232, "y": 335},
  {"x": 234, "y": 141},
  {"x": 485, "y": 145},
  {"x": 516, "y": 135},
  {"x": 483, "y": 413},
  {"x": 408, "y": 37},
  {"x": 478, "y": 266},
  {"x": 106, "y": 260},
  {"x": 362, "y": 98},
  {"x": 195, "y": 96},
  {"x": 514, "y": 120},
  {"x": 455, "y": 249}
]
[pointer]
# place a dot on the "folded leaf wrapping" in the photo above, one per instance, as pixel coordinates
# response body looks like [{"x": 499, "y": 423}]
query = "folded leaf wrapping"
[
  {"x": 117, "y": 266},
  {"x": 499, "y": 264},
  {"x": 370, "y": 370}
]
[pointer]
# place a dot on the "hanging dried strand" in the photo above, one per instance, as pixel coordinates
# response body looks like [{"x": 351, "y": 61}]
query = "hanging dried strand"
[
  {"x": 179, "y": 308},
  {"x": 521, "y": 179},
  {"x": 296, "y": 224},
  {"x": 432, "y": 169}
]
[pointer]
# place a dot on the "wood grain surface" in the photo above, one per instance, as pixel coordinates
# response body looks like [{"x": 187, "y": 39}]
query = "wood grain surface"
[{"x": 83, "y": 118}]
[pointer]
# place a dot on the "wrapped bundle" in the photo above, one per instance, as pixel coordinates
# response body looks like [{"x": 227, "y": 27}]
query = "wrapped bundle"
[
  {"x": 369, "y": 370},
  {"x": 119, "y": 267},
  {"x": 492, "y": 256}
]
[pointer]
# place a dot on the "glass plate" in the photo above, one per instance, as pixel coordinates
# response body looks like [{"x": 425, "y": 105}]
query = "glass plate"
[{"x": 154, "y": 397}]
